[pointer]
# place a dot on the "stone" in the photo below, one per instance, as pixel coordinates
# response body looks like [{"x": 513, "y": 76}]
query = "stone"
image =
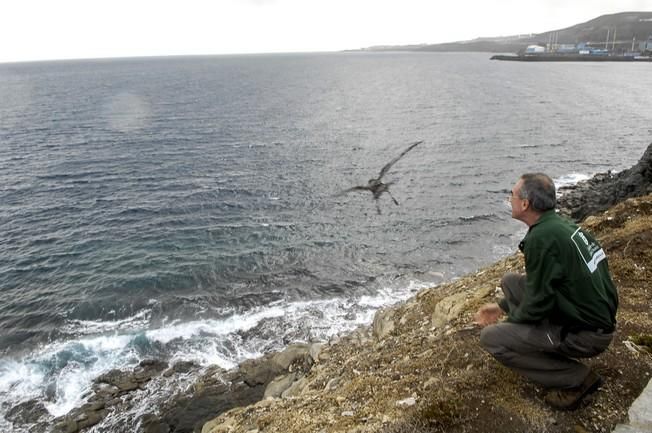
[
  {"x": 188, "y": 413},
  {"x": 292, "y": 354},
  {"x": 147, "y": 369},
  {"x": 91, "y": 418},
  {"x": 315, "y": 351},
  {"x": 218, "y": 426},
  {"x": 105, "y": 390},
  {"x": 332, "y": 384},
  {"x": 295, "y": 389},
  {"x": 447, "y": 309},
  {"x": 639, "y": 414},
  {"x": 151, "y": 423},
  {"x": 92, "y": 406},
  {"x": 65, "y": 426},
  {"x": 407, "y": 402},
  {"x": 430, "y": 382},
  {"x": 259, "y": 371},
  {"x": 276, "y": 387},
  {"x": 383, "y": 323},
  {"x": 120, "y": 379},
  {"x": 181, "y": 367},
  {"x": 27, "y": 412}
]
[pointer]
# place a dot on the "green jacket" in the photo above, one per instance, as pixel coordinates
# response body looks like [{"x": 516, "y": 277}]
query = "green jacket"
[{"x": 567, "y": 277}]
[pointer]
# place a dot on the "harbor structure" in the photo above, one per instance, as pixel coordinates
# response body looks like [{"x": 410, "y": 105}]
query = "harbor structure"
[
  {"x": 611, "y": 49},
  {"x": 646, "y": 45}
]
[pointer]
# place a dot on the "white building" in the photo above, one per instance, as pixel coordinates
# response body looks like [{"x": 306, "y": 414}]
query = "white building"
[{"x": 535, "y": 49}]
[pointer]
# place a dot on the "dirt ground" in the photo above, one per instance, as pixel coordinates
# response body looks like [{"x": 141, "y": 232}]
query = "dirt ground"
[{"x": 424, "y": 377}]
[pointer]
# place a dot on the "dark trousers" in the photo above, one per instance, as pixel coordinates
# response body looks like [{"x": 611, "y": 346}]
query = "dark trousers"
[{"x": 541, "y": 352}]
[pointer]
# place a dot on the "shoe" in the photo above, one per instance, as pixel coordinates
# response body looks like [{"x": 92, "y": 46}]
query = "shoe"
[{"x": 569, "y": 399}]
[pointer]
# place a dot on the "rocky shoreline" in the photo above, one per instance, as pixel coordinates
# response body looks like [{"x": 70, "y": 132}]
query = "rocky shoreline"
[
  {"x": 417, "y": 368},
  {"x": 604, "y": 190},
  {"x": 211, "y": 392}
]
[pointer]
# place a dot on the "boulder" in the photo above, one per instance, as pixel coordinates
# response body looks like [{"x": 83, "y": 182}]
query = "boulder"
[
  {"x": 259, "y": 371},
  {"x": 277, "y": 386},
  {"x": 296, "y": 388},
  {"x": 122, "y": 380},
  {"x": 448, "y": 309},
  {"x": 315, "y": 351},
  {"x": 151, "y": 423},
  {"x": 294, "y": 354},
  {"x": 181, "y": 367},
  {"x": 188, "y": 413},
  {"x": 65, "y": 425},
  {"x": 27, "y": 412}
]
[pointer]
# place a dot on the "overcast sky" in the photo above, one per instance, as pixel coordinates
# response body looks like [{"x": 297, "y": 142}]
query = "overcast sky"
[{"x": 65, "y": 29}]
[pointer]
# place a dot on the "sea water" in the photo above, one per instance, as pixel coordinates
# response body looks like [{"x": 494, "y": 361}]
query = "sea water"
[{"x": 187, "y": 208}]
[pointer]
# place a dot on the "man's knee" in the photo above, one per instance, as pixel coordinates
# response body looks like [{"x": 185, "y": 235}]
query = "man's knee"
[{"x": 490, "y": 339}]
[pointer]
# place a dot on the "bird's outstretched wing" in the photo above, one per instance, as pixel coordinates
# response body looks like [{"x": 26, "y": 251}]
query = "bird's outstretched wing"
[
  {"x": 355, "y": 188},
  {"x": 387, "y": 166}
]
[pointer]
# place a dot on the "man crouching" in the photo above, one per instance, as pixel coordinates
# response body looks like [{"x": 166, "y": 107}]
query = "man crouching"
[{"x": 563, "y": 308}]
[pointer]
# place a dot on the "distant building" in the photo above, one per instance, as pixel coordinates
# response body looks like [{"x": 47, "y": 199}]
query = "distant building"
[
  {"x": 646, "y": 45},
  {"x": 535, "y": 49},
  {"x": 566, "y": 48},
  {"x": 587, "y": 50}
]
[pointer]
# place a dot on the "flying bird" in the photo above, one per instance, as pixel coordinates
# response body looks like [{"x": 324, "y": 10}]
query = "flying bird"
[{"x": 375, "y": 185}]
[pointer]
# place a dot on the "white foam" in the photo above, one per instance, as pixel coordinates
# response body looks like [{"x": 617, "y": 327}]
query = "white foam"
[
  {"x": 336, "y": 314},
  {"x": 211, "y": 352},
  {"x": 213, "y": 327},
  {"x": 20, "y": 378},
  {"x": 87, "y": 327},
  {"x": 388, "y": 296},
  {"x": 69, "y": 367},
  {"x": 570, "y": 179},
  {"x": 74, "y": 382}
]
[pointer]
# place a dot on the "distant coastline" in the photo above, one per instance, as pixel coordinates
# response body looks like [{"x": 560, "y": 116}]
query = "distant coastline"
[
  {"x": 570, "y": 58},
  {"x": 618, "y": 34}
]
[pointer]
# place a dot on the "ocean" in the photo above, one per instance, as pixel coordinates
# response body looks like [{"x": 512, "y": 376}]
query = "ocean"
[{"x": 187, "y": 208}]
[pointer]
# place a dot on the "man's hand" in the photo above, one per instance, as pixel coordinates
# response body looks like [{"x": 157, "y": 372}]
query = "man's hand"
[{"x": 488, "y": 314}]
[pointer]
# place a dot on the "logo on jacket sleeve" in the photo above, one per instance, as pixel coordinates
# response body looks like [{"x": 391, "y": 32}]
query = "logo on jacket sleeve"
[{"x": 589, "y": 250}]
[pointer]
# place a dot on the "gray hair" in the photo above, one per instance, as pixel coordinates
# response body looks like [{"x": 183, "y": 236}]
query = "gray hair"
[{"x": 539, "y": 189}]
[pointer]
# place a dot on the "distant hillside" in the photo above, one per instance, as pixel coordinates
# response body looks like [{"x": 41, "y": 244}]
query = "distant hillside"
[{"x": 627, "y": 25}]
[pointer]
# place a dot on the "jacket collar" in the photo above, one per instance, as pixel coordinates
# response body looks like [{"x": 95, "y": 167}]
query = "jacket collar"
[{"x": 546, "y": 216}]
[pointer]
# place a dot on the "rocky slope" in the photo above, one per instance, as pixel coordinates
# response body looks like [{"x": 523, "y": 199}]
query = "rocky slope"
[{"x": 419, "y": 368}]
